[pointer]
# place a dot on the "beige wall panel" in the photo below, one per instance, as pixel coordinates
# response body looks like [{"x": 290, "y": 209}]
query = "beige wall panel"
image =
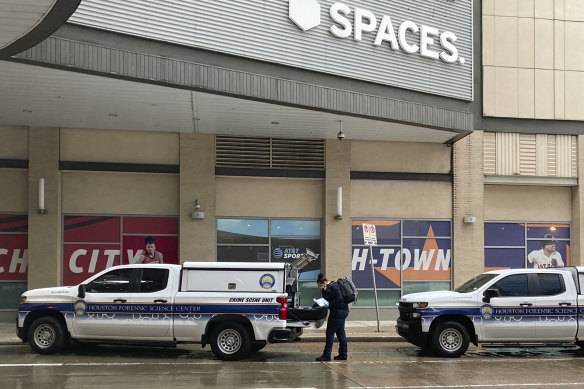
[
  {"x": 401, "y": 199},
  {"x": 13, "y": 142},
  {"x": 574, "y": 55},
  {"x": 559, "y": 10},
  {"x": 559, "y": 45},
  {"x": 574, "y": 86},
  {"x": 400, "y": 157},
  {"x": 488, "y": 7},
  {"x": 120, "y": 193},
  {"x": 506, "y": 38},
  {"x": 544, "y": 50},
  {"x": 507, "y": 95},
  {"x": 489, "y": 40},
  {"x": 544, "y": 9},
  {"x": 119, "y": 146},
  {"x": 14, "y": 190},
  {"x": 489, "y": 91},
  {"x": 525, "y": 8},
  {"x": 574, "y": 10},
  {"x": 560, "y": 92},
  {"x": 269, "y": 197},
  {"x": 544, "y": 95},
  {"x": 526, "y": 83},
  {"x": 525, "y": 36},
  {"x": 506, "y": 7},
  {"x": 529, "y": 203}
]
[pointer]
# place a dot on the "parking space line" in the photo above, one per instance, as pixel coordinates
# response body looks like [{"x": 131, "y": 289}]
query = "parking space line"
[{"x": 534, "y": 385}]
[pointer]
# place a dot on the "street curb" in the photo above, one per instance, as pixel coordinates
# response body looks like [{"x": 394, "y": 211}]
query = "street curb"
[{"x": 365, "y": 338}]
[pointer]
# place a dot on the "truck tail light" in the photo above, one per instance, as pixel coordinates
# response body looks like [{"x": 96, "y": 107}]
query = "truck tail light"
[{"x": 283, "y": 311}]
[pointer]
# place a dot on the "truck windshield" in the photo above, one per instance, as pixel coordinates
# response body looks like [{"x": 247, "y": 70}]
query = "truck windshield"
[{"x": 475, "y": 283}]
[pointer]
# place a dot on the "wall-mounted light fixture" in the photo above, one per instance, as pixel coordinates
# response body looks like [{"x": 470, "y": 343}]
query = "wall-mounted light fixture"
[
  {"x": 42, "y": 210},
  {"x": 339, "y": 215},
  {"x": 197, "y": 213},
  {"x": 469, "y": 219},
  {"x": 340, "y": 134}
]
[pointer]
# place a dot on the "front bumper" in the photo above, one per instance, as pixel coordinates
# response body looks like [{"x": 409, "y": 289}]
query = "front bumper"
[
  {"x": 283, "y": 335},
  {"x": 411, "y": 330}
]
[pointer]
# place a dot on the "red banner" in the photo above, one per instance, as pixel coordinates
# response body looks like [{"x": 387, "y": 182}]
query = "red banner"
[
  {"x": 13, "y": 247},
  {"x": 94, "y": 243}
]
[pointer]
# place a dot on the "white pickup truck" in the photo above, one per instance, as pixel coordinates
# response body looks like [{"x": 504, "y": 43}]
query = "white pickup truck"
[
  {"x": 235, "y": 307},
  {"x": 504, "y": 307}
]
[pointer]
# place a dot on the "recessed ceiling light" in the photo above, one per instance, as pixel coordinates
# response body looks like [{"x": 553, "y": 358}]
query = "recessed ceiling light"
[
  {"x": 26, "y": 111},
  {"x": 112, "y": 115},
  {"x": 275, "y": 122}
]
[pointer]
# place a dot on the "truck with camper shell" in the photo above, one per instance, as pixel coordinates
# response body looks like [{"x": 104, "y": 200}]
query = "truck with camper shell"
[
  {"x": 538, "y": 307},
  {"x": 235, "y": 307}
]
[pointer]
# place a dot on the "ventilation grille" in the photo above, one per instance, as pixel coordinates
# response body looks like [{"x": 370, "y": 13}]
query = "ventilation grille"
[
  {"x": 269, "y": 153},
  {"x": 540, "y": 155}
]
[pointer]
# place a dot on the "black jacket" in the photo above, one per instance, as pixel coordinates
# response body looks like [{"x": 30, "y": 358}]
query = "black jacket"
[{"x": 332, "y": 293}]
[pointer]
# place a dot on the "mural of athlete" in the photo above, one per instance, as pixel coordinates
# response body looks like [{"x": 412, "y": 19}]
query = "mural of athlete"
[
  {"x": 150, "y": 255},
  {"x": 548, "y": 256}
]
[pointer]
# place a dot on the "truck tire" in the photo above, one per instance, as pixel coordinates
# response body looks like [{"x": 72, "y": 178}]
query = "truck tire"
[
  {"x": 46, "y": 335},
  {"x": 450, "y": 339},
  {"x": 230, "y": 341},
  {"x": 258, "y": 346}
]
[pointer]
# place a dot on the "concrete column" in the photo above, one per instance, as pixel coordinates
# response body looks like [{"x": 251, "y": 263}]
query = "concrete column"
[
  {"x": 197, "y": 241},
  {"x": 577, "y": 209},
  {"x": 468, "y": 197},
  {"x": 44, "y": 230},
  {"x": 337, "y": 233}
]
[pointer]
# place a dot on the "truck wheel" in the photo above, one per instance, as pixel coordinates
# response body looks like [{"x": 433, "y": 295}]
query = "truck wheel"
[
  {"x": 450, "y": 339},
  {"x": 257, "y": 347},
  {"x": 46, "y": 335},
  {"x": 230, "y": 341}
]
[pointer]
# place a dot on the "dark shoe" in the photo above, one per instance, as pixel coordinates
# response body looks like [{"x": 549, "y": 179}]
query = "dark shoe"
[
  {"x": 340, "y": 358},
  {"x": 322, "y": 358}
]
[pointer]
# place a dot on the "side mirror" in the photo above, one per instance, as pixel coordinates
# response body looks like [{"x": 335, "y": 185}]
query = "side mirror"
[
  {"x": 489, "y": 294},
  {"x": 81, "y": 291}
]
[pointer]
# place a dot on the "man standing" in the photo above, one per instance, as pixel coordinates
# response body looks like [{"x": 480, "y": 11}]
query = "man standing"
[
  {"x": 150, "y": 255},
  {"x": 339, "y": 310},
  {"x": 546, "y": 257}
]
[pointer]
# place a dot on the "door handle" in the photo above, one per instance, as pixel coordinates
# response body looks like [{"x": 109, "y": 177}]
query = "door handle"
[
  {"x": 565, "y": 304},
  {"x": 526, "y": 304},
  {"x": 120, "y": 300},
  {"x": 160, "y": 301}
]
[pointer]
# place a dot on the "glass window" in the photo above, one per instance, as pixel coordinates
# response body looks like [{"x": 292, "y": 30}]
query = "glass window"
[
  {"x": 153, "y": 280},
  {"x": 242, "y": 231},
  {"x": 512, "y": 286},
  {"x": 550, "y": 284},
  {"x": 475, "y": 283},
  {"x": 290, "y": 249},
  {"x": 111, "y": 282},
  {"x": 243, "y": 254},
  {"x": 295, "y": 227}
]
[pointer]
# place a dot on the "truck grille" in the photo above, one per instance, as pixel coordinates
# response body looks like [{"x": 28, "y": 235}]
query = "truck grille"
[{"x": 405, "y": 310}]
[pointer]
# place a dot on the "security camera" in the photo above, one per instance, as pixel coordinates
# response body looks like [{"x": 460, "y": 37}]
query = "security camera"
[{"x": 341, "y": 135}]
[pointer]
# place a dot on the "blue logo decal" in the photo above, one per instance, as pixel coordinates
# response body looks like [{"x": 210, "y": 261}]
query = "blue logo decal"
[
  {"x": 267, "y": 281},
  {"x": 80, "y": 307},
  {"x": 487, "y": 312},
  {"x": 277, "y": 253}
]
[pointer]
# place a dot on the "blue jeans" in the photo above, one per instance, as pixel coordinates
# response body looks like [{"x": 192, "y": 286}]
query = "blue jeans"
[{"x": 336, "y": 325}]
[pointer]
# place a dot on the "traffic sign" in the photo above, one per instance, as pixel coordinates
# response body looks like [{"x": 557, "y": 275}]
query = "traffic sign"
[{"x": 369, "y": 234}]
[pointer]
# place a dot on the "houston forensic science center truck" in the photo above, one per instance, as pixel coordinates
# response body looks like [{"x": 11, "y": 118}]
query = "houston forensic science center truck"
[
  {"x": 235, "y": 307},
  {"x": 504, "y": 307}
]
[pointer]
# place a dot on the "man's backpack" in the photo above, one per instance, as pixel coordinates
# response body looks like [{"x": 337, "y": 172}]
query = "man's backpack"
[{"x": 348, "y": 290}]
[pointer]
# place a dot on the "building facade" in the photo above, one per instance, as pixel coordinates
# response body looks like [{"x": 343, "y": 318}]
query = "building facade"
[{"x": 212, "y": 128}]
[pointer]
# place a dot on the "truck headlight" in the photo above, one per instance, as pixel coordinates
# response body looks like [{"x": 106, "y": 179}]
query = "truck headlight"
[{"x": 419, "y": 305}]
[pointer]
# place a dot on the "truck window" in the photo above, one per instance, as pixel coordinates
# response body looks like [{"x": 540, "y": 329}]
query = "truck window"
[
  {"x": 550, "y": 284},
  {"x": 514, "y": 285},
  {"x": 114, "y": 281},
  {"x": 153, "y": 280},
  {"x": 475, "y": 283}
]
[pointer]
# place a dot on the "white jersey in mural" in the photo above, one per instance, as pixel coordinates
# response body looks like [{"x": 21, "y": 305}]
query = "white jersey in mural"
[{"x": 542, "y": 261}]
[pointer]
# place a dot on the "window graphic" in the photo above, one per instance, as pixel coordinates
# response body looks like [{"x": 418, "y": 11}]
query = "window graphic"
[
  {"x": 94, "y": 243},
  {"x": 515, "y": 245}
]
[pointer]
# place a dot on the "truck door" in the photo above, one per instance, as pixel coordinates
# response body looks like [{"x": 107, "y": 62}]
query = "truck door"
[
  {"x": 555, "y": 307},
  {"x": 154, "y": 300},
  {"x": 105, "y": 303},
  {"x": 508, "y": 319}
]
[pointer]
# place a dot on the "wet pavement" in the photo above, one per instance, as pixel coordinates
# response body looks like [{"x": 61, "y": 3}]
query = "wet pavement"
[
  {"x": 379, "y": 360},
  {"x": 392, "y": 365}
]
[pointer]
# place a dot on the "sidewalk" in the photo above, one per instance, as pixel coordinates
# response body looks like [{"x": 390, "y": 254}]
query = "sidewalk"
[{"x": 357, "y": 331}]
